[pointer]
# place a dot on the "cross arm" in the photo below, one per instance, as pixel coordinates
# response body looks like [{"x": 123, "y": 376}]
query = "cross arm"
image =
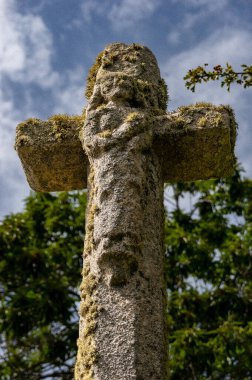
[
  {"x": 51, "y": 153},
  {"x": 196, "y": 142}
]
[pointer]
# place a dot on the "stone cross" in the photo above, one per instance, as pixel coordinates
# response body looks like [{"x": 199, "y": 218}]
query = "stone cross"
[{"x": 124, "y": 151}]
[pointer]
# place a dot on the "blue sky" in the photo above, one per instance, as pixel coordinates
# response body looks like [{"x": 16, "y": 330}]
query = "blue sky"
[{"x": 48, "y": 46}]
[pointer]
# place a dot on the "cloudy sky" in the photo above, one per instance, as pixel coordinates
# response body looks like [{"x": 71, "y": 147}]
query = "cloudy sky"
[{"x": 47, "y": 47}]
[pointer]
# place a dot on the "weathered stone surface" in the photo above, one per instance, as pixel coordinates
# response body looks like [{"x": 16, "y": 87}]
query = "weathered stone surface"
[
  {"x": 124, "y": 242},
  {"x": 132, "y": 147},
  {"x": 201, "y": 133},
  {"x": 51, "y": 153},
  {"x": 196, "y": 142}
]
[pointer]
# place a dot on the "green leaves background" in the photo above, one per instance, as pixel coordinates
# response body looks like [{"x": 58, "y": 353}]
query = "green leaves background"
[{"x": 209, "y": 282}]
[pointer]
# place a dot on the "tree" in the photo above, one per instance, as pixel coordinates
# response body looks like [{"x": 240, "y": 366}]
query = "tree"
[
  {"x": 209, "y": 271},
  {"x": 40, "y": 259},
  {"x": 226, "y": 74}
]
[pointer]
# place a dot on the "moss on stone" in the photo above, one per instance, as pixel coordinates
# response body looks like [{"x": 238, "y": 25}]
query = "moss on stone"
[
  {"x": 30, "y": 122},
  {"x": 163, "y": 95},
  {"x": 91, "y": 78},
  {"x": 202, "y": 122},
  {"x": 133, "y": 116},
  {"x": 22, "y": 140},
  {"x": 179, "y": 123},
  {"x": 87, "y": 356},
  {"x": 101, "y": 106},
  {"x": 58, "y": 126},
  {"x": 132, "y": 56},
  {"x": 165, "y": 306},
  {"x": 147, "y": 94},
  {"x": 90, "y": 216},
  {"x": 233, "y": 123},
  {"x": 62, "y": 124},
  {"x": 197, "y": 106},
  {"x": 143, "y": 66},
  {"x": 204, "y": 104},
  {"x": 88, "y": 247},
  {"x": 86, "y": 269},
  {"x": 65, "y": 121},
  {"x": 129, "y": 58},
  {"x": 105, "y": 134},
  {"x": 137, "y": 46},
  {"x": 24, "y": 131},
  {"x": 218, "y": 120}
]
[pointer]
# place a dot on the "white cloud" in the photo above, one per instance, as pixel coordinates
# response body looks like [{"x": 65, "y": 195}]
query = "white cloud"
[
  {"x": 26, "y": 46},
  {"x": 89, "y": 7},
  {"x": 185, "y": 27},
  {"x": 227, "y": 45},
  {"x": 66, "y": 97},
  {"x": 26, "y": 52},
  {"x": 69, "y": 96},
  {"x": 128, "y": 12},
  {"x": 205, "y": 3},
  {"x": 201, "y": 10},
  {"x": 13, "y": 183},
  {"x": 122, "y": 14},
  {"x": 174, "y": 37}
]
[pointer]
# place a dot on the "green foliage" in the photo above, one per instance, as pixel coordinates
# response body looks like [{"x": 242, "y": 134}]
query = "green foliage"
[
  {"x": 226, "y": 74},
  {"x": 40, "y": 270},
  {"x": 209, "y": 261},
  {"x": 209, "y": 272}
]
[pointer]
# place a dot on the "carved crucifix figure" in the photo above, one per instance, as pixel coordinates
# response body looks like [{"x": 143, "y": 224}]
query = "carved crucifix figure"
[{"x": 129, "y": 146}]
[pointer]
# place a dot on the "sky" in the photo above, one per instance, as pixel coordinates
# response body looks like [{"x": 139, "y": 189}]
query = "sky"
[{"x": 48, "y": 46}]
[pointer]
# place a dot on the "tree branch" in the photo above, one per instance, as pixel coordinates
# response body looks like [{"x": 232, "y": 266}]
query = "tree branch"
[{"x": 227, "y": 74}]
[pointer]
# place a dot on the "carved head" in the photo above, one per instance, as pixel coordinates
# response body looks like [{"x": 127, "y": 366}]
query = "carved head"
[{"x": 128, "y": 75}]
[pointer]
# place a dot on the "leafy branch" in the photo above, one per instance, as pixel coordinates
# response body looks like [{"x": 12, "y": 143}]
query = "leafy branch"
[{"x": 226, "y": 74}]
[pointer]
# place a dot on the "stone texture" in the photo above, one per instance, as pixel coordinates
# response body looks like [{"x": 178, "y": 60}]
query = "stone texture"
[
  {"x": 201, "y": 133},
  {"x": 196, "y": 142},
  {"x": 51, "y": 153},
  {"x": 124, "y": 250},
  {"x": 132, "y": 147}
]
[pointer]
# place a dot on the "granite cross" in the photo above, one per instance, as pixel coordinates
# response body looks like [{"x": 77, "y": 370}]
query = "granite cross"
[{"x": 124, "y": 151}]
